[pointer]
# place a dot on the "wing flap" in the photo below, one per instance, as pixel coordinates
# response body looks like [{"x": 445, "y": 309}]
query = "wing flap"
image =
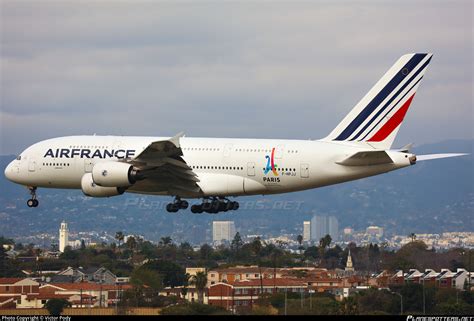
[{"x": 163, "y": 167}]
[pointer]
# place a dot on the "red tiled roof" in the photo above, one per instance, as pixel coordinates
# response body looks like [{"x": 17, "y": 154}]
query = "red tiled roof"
[
  {"x": 6, "y": 298},
  {"x": 10, "y": 280},
  {"x": 91, "y": 286},
  {"x": 269, "y": 282},
  {"x": 244, "y": 270}
]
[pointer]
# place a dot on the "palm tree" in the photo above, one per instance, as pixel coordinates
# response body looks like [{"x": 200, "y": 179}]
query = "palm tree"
[
  {"x": 200, "y": 281},
  {"x": 299, "y": 238},
  {"x": 186, "y": 280},
  {"x": 165, "y": 240},
  {"x": 412, "y": 236}
]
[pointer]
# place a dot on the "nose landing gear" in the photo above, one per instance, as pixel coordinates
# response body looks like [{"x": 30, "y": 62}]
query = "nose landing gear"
[{"x": 32, "y": 202}]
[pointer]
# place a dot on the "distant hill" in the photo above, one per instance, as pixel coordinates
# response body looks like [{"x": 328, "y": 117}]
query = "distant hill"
[{"x": 432, "y": 196}]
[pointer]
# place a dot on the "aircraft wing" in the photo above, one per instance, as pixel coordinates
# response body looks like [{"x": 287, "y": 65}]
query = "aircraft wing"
[
  {"x": 164, "y": 169},
  {"x": 366, "y": 158}
]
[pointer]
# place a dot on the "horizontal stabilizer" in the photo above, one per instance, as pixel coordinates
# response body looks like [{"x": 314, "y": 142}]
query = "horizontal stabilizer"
[
  {"x": 406, "y": 149},
  {"x": 436, "y": 156},
  {"x": 366, "y": 158}
]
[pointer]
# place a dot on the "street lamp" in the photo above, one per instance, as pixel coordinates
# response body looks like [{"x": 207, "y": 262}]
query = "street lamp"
[
  {"x": 424, "y": 298},
  {"x": 468, "y": 269},
  {"x": 401, "y": 302}
]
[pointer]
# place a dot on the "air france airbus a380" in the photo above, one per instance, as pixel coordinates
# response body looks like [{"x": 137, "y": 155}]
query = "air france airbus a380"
[{"x": 216, "y": 168}]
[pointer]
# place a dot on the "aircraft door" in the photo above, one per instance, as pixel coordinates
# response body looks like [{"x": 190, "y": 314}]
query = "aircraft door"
[
  {"x": 250, "y": 169},
  {"x": 32, "y": 165},
  {"x": 227, "y": 150},
  {"x": 304, "y": 170},
  {"x": 279, "y": 150},
  {"x": 88, "y": 165}
]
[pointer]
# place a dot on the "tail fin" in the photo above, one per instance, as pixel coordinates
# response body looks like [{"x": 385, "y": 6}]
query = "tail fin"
[{"x": 376, "y": 119}]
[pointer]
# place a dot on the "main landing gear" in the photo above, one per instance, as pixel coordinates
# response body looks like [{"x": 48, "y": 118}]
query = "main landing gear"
[
  {"x": 211, "y": 205},
  {"x": 32, "y": 202},
  {"x": 215, "y": 206},
  {"x": 177, "y": 205}
]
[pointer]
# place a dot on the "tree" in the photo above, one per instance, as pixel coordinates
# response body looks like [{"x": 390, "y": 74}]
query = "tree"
[
  {"x": 131, "y": 243},
  {"x": 166, "y": 241},
  {"x": 237, "y": 243},
  {"x": 200, "y": 281},
  {"x": 311, "y": 252},
  {"x": 372, "y": 300},
  {"x": 172, "y": 273},
  {"x": 205, "y": 251},
  {"x": 119, "y": 237},
  {"x": 187, "y": 279},
  {"x": 324, "y": 243},
  {"x": 256, "y": 246},
  {"x": 145, "y": 277},
  {"x": 299, "y": 238},
  {"x": 56, "y": 306},
  {"x": 83, "y": 245},
  {"x": 412, "y": 236}
]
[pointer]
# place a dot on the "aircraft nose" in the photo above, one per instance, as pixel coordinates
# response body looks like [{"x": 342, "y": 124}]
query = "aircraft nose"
[{"x": 9, "y": 172}]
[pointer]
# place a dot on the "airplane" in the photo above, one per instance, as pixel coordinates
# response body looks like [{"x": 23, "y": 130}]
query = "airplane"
[{"x": 214, "y": 169}]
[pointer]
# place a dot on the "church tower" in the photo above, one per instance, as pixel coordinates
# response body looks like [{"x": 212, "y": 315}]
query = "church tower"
[
  {"x": 349, "y": 267},
  {"x": 63, "y": 237}
]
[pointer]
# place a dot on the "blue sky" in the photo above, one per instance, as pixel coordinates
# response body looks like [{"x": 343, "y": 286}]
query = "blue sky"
[{"x": 225, "y": 69}]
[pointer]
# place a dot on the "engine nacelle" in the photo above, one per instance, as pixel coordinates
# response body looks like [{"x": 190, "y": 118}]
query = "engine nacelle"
[
  {"x": 113, "y": 174},
  {"x": 90, "y": 188}
]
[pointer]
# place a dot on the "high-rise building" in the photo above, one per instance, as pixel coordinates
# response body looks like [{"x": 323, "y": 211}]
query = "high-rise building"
[
  {"x": 223, "y": 231},
  {"x": 323, "y": 225},
  {"x": 63, "y": 236},
  {"x": 306, "y": 231},
  {"x": 333, "y": 228}
]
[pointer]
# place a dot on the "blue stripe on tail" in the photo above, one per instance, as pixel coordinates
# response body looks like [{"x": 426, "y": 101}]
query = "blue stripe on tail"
[
  {"x": 377, "y": 100},
  {"x": 392, "y": 99}
]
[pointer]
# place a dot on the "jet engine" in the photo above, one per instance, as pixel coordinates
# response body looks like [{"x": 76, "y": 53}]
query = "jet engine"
[
  {"x": 113, "y": 174},
  {"x": 90, "y": 188}
]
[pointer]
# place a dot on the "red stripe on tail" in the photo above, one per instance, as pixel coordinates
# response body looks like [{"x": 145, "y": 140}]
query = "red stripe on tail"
[{"x": 392, "y": 123}]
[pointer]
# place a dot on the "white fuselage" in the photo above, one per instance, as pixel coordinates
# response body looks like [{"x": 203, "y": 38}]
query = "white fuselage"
[{"x": 224, "y": 166}]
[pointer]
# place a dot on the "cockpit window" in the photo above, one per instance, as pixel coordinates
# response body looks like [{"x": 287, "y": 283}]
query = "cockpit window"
[{"x": 18, "y": 158}]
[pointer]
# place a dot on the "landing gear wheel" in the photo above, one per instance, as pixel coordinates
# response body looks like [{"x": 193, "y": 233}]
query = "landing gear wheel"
[
  {"x": 196, "y": 209},
  {"x": 183, "y": 205},
  {"x": 172, "y": 208},
  {"x": 32, "y": 202}
]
